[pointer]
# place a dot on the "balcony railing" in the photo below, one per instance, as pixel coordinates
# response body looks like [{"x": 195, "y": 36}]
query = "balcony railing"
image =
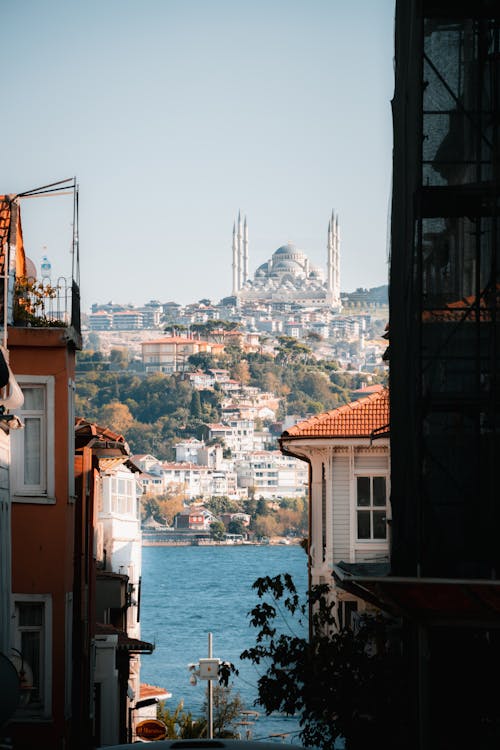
[{"x": 45, "y": 304}]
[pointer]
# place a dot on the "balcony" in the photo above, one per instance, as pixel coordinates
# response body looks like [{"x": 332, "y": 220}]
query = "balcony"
[{"x": 43, "y": 304}]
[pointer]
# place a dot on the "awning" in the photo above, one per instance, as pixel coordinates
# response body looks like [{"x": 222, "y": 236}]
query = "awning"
[
  {"x": 125, "y": 642},
  {"x": 436, "y": 601}
]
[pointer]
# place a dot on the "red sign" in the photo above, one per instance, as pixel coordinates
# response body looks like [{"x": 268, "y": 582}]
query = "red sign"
[{"x": 151, "y": 729}]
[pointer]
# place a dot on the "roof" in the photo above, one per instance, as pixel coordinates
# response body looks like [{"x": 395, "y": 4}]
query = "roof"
[
  {"x": 360, "y": 418},
  {"x": 152, "y": 691}
]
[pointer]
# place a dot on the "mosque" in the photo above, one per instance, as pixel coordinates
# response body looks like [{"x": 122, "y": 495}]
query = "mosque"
[{"x": 288, "y": 276}]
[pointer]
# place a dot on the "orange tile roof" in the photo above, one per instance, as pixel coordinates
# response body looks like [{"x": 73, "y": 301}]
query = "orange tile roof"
[{"x": 357, "y": 419}]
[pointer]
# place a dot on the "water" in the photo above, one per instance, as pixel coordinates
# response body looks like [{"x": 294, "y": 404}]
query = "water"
[{"x": 188, "y": 592}]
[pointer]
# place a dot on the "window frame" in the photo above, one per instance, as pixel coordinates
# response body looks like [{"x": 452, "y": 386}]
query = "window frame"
[
  {"x": 44, "y": 492},
  {"x": 45, "y": 710},
  {"x": 371, "y": 508}
]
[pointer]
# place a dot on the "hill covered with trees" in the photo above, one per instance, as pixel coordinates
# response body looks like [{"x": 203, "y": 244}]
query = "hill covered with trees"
[{"x": 154, "y": 410}]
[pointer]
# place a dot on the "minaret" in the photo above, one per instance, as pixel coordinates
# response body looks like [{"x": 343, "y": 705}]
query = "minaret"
[
  {"x": 239, "y": 238},
  {"x": 245, "y": 251},
  {"x": 333, "y": 261},
  {"x": 236, "y": 270},
  {"x": 336, "y": 263},
  {"x": 329, "y": 259}
]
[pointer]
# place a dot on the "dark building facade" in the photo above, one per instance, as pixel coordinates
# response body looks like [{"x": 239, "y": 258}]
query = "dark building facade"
[
  {"x": 445, "y": 363},
  {"x": 444, "y": 358}
]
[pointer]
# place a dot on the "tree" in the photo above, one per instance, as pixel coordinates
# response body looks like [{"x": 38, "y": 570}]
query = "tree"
[
  {"x": 342, "y": 684},
  {"x": 179, "y": 723},
  {"x": 235, "y": 526},
  {"x": 117, "y": 416},
  {"x": 195, "y": 406},
  {"x": 217, "y": 531},
  {"x": 226, "y": 709}
]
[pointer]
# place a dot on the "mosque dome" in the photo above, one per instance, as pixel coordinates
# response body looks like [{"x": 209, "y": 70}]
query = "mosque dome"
[
  {"x": 287, "y": 265},
  {"x": 287, "y": 249},
  {"x": 262, "y": 270}
]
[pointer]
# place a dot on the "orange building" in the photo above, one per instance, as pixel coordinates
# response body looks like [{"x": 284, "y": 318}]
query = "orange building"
[{"x": 40, "y": 334}]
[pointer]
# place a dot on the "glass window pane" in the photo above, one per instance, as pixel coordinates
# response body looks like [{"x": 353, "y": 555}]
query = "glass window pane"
[
  {"x": 363, "y": 490},
  {"x": 30, "y": 614},
  {"x": 33, "y": 399},
  {"x": 379, "y": 525},
  {"x": 364, "y": 524},
  {"x": 31, "y": 654},
  {"x": 379, "y": 493},
  {"x": 32, "y": 457}
]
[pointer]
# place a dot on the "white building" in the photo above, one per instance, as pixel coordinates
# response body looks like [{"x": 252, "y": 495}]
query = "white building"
[
  {"x": 272, "y": 474},
  {"x": 347, "y": 450},
  {"x": 288, "y": 276}
]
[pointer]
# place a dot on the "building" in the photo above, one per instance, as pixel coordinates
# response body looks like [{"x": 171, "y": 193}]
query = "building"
[
  {"x": 288, "y": 276},
  {"x": 444, "y": 360},
  {"x": 171, "y": 353},
  {"x": 271, "y": 475},
  {"x": 109, "y": 479},
  {"x": 46, "y": 589},
  {"x": 349, "y": 487}
]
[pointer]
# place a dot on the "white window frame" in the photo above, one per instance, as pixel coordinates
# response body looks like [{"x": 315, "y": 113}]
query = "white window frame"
[
  {"x": 44, "y": 711},
  {"x": 44, "y": 492},
  {"x": 371, "y": 540}
]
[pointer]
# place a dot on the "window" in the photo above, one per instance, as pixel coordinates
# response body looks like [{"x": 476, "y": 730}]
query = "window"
[
  {"x": 123, "y": 495},
  {"x": 33, "y": 447},
  {"x": 31, "y": 646},
  {"x": 371, "y": 508}
]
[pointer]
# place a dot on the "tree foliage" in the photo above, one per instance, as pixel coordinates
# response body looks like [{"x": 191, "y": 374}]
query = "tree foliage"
[{"x": 342, "y": 684}]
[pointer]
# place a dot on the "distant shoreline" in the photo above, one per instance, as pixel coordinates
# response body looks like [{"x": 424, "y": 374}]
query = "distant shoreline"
[{"x": 209, "y": 543}]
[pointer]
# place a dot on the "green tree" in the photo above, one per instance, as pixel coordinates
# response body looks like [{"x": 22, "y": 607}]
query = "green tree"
[
  {"x": 226, "y": 709},
  {"x": 179, "y": 723},
  {"x": 195, "y": 406},
  {"x": 235, "y": 526},
  {"x": 217, "y": 531},
  {"x": 342, "y": 684}
]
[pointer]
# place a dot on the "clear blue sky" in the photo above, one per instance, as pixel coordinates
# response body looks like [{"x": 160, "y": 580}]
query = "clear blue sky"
[{"x": 174, "y": 114}]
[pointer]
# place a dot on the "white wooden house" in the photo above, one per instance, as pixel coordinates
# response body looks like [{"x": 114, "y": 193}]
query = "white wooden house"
[{"x": 347, "y": 450}]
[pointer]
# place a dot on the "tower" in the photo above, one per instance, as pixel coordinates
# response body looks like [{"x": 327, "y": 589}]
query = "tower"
[
  {"x": 240, "y": 253},
  {"x": 245, "y": 251},
  {"x": 333, "y": 260},
  {"x": 236, "y": 270}
]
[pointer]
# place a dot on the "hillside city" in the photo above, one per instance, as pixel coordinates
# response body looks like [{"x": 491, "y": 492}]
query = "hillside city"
[
  {"x": 176, "y": 450},
  {"x": 230, "y": 451}
]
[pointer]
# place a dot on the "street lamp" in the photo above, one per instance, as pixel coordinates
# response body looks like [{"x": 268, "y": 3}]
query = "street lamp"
[{"x": 207, "y": 669}]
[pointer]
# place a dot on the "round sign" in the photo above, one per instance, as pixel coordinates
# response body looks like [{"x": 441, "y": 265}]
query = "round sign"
[{"x": 151, "y": 729}]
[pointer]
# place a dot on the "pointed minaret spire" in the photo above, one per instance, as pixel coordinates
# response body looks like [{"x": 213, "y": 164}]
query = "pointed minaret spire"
[
  {"x": 235, "y": 262},
  {"x": 239, "y": 238},
  {"x": 329, "y": 258},
  {"x": 336, "y": 263},
  {"x": 245, "y": 251}
]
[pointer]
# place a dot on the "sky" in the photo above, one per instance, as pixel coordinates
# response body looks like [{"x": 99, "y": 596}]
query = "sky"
[{"x": 175, "y": 114}]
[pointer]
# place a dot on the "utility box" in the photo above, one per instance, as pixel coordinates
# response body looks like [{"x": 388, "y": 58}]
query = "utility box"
[{"x": 209, "y": 669}]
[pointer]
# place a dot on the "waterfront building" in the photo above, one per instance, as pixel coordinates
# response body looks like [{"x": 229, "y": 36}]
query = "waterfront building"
[{"x": 347, "y": 450}]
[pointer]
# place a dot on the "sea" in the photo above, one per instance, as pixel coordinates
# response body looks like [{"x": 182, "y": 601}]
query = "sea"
[{"x": 191, "y": 591}]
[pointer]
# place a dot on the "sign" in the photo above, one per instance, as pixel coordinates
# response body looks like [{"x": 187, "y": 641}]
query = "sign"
[{"x": 151, "y": 729}]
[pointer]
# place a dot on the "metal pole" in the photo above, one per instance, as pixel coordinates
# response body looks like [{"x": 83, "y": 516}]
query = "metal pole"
[{"x": 210, "y": 725}]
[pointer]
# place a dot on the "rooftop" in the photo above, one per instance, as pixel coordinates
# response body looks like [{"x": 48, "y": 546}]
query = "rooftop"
[{"x": 358, "y": 419}]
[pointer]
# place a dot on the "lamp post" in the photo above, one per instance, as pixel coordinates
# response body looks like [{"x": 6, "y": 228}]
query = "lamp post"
[{"x": 207, "y": 669}]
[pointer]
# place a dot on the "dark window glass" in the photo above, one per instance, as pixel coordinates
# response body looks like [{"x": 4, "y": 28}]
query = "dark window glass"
[
  {"x": 379, "y": 524},
  {"x": 363, "y": 491},
  {"x": 364, "y": 524},
  {"x": 379, "y": 493}
]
